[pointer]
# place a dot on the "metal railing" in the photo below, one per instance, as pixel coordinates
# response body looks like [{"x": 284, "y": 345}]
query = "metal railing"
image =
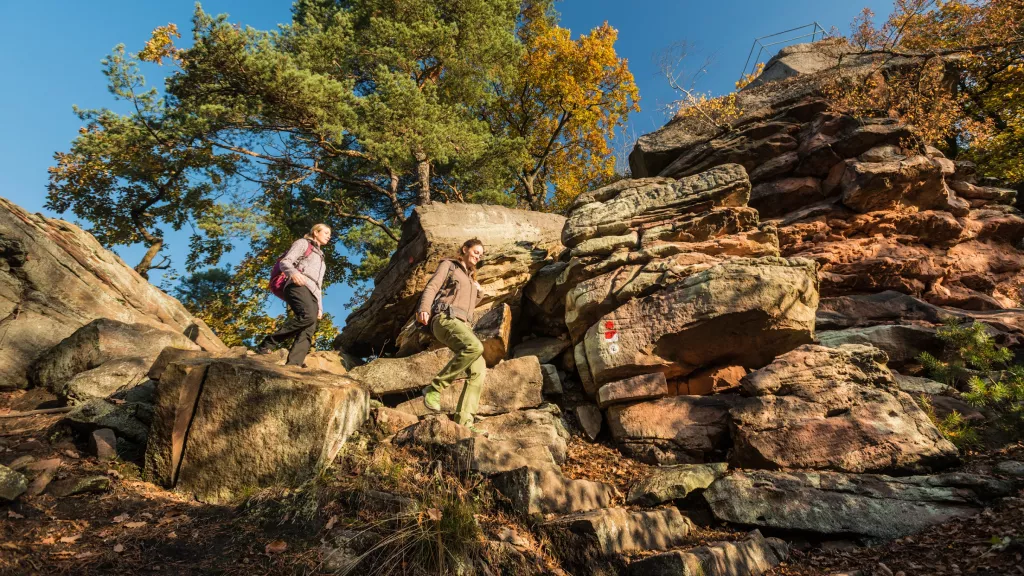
[{"x": 815, "y": 31}]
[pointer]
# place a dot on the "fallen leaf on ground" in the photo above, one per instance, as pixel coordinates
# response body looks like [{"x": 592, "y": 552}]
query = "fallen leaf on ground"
[
  {"x": 13, "y": 514},
  {"x": 331, "y": 523},
  {"x": 9, "y": 546},
  {"x": 146, "y": 515},
  {"x": 48, "y": 540},
  {"x": 120, "y": 518},
  {"x": 83, "y": 555},
  {"x": 70, "y": 539},
  {"x": 119, "y": 548},
  {"x": 72, "y": 454},
  {"x": 134, "y": 524},
  {"x": 276, "y": 547},
  {"x": 172, "y": 534}
]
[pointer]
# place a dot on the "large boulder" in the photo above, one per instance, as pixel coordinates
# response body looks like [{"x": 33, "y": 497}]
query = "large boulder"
[
  {"x": 224, "y": 426},
  {"x": 836, "y": 504},
  {"x": 529, "y": 430},
  {"x": 511, "y": 385},
  {"x": 675, "y": 430},
  {"x": 132, "y": 347},
  {"x": 834, "y": 409},
  {"x": 742, "y": 312},
  {"x": 56, "y": 278},
  {"x": 517, "y": 243}
]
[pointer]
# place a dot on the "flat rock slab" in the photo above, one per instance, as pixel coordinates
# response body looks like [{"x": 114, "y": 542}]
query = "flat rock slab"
[
  {"x": 110, "y": 377},
  {"x": 674, "y": 482},
  {"x": 529, "y": 429},
  {"x": 383, "y": 376},
  {"x": 223, "y": 426},
  {"x": 545, "y": 349},
  {"x": 834, "y": 409},
  {"x": 517, "y": 243},
  {"x": 590, "y": 420},
  {"x": 548, "y": 492},
  {"x": 742, "y": 312},
  {"x": 129, "y": 420},
  {"x": 511, "y": 385},
  {"x": 617, "y": 208},
  {"x": 489, "y": 457},
  {"x": 621, "y": 531},
  {"x": 100, "y": 341},
  {"x": 103, "y": 444},
  {"x": 901, "y": 343},
  {"x": 832, "y": 503},
  {"x": 674, "y": 430},
  {"x": 752, "y": 556},
  {"x": 642, "y": 387},
  {"x": 72, "y": 486}
]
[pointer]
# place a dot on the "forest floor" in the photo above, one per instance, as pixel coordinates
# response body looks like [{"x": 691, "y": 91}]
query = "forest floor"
[{"x": 135, "y": 527}]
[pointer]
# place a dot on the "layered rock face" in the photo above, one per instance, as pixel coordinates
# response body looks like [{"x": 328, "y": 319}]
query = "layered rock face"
[
  {"x": 56, "y": 278},
  {"x": 517, "y": 243}
]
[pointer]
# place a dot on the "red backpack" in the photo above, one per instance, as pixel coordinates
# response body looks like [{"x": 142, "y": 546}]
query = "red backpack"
[{"x": 278, "y": 279}]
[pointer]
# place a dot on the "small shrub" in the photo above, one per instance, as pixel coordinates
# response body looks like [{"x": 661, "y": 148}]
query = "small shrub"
[{"x": 954, "y": 427}]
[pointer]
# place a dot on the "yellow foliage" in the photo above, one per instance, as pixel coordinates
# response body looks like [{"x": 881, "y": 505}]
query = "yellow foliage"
[
  {"x": 576, "y": 93},
  {"x": 748, "y": 78},
  {"x": 161, "y": 45},
  {"x": 712, "y": 111}
]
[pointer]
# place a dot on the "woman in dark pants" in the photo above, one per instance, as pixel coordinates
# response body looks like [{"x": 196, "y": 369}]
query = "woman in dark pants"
[{"x": 304, "y": 265}]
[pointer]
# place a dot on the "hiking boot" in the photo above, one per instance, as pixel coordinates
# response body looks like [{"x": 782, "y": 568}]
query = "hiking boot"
[
  {"x": 432, "y": 399},
  {"x": 476, "y": 430}
]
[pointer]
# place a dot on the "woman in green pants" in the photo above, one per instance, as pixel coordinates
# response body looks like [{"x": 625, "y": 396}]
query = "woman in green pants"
[{"x": 447, "y": 308}]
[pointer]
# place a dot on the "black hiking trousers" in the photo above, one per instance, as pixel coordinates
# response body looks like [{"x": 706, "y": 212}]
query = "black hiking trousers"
[{"x": 301, "y": 324}]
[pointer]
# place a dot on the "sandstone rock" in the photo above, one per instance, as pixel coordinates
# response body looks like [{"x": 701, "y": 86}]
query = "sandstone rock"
[
  {"x": 901, "y": 343},
  {"x": 621, "y": 531},
  {"x": 674, "y": 482},
  {"x": 44, "y": 470},
  {"x": 675, "y": 430},
  {"x": 545, "y": 349},
  {"x": 548, "y": 492},
  {"x": 58, "y": 278},
  {"x": 832, "y": 503},
  {"x": 517, "y": 243},
  {"x": 1010, "y": 468},
  {"x": 988, "y": 193},
  {"x": 109, "y": 378},
  {"x": 750, "y": 557},
  {"x": 590, "y": 419},
  {"x": 915, "y": 385},
  {"x": 129, "y": 420},
  {"x": 489, "y": 457},
  {"x": 835, "y": 409},
  {"x": 103, "y": 444},
  {"x": 172, "y": 354},
  {"x": 436, "y": 430},
  {"x": 224, "y": 425},
  {"x": 389, "y": 420},
  {"x": 325, "y": 361},
  {"x": 511, "y": 385},
  {"x": 781, "y": 196},
  {"x": 72, "y": 486},
  {"x": 101, "y": 341},
  {"x": 526, "y": 430},
  {"x": 916, "y": 181},
  {"x": 837, "y": 313},
  {"x": 741, "y": 312},
  {"x": 710, "y": 380},
  {"x": 651, "y": 201},
  {"x": 642, "y": 387},
  {"x": 398, "y": 375},
  {"x": 12, "y": 484},
  {"x": 494, "y": 329},
  {"x": 552, "y": 381}
]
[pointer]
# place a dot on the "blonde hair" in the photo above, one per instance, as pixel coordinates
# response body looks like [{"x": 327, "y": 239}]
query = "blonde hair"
[{"x": 316, "y": 228}]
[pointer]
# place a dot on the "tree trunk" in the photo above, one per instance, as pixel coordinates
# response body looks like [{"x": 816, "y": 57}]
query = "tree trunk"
[
  {"x": 423, "y": 175},
  {"x": 532, "y": 199},
  {"x": 146, "y": 264}
]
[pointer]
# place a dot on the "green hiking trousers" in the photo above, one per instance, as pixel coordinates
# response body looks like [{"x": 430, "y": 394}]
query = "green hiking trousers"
[{"x": 459, "y": 337}]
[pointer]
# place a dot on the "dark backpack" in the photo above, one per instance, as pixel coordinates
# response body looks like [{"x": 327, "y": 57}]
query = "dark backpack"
[
  {"x": 436, "y": 307},
  {"x": 278, "y": 279}
]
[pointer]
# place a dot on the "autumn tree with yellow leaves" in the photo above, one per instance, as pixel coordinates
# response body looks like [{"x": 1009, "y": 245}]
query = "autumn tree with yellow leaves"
[
  {"x": 968, "y": 98},
  {"x": 563, "y": 108}
]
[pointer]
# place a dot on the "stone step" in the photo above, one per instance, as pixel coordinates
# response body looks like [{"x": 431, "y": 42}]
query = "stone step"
[
  {"x": 621, "y": 531},
  {"x": 488, "y": 457},
  {"x": 548, "y": 492},
  {"x": 751, "y": 557}
]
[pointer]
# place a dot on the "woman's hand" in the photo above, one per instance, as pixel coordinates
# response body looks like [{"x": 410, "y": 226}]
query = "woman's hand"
[
  {"x": 423, "y": 318},
  {"x": 320, "y": 315},
  {"x": 298, "y": 279}
]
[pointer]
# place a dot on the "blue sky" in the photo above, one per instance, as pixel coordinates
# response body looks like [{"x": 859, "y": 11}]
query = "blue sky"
[{"x": 52, "y": 50}]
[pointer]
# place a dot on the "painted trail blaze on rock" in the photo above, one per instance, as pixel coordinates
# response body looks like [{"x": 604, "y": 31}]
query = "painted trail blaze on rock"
[
  {"x": 222, "y": 426},
  {"x": 742, "y": 312}
]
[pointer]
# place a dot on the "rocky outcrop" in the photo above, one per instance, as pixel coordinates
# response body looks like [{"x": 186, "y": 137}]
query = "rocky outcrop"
[
  {"x": 619, "y": 531},
  {"x": 517, "y": 243},
  {"x": 834, "y": 409},
  {"x": 668, "y": 483},
  {"x": 102, "y": 357},
  {"x": 835, "y": 504},
  {"x": 221, "y": 426},
  {"x": 740, "y": 312},
  {"x": 752, "y": 556},
  {"x": 56, "y": 278},
  {"x": 676, "y": 430}
]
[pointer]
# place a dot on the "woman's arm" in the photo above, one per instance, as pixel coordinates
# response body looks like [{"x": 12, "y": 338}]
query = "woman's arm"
[{"x": 427, "y": 299}]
